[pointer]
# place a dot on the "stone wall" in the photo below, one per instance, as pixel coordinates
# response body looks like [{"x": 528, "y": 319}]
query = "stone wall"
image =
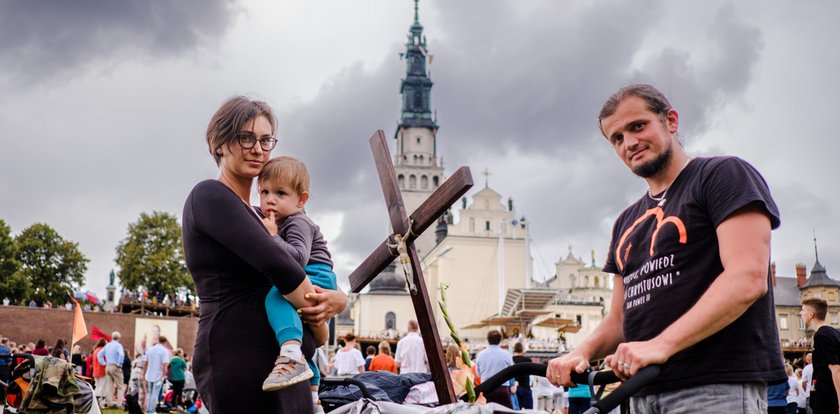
[{"x": 22, "y": 325}]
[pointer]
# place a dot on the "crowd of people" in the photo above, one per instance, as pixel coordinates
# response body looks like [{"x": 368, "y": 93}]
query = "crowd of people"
[
  {"x": 158, "y": 377},
  {"x": 258, "y": 278},
  {"x": 156, "y": 297}
]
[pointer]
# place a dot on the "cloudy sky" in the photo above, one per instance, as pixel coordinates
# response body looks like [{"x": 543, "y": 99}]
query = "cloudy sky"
[{"x": 104, "y": 106}]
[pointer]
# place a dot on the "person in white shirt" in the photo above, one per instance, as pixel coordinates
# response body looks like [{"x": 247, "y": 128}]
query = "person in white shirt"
[
  {"x": 411, "y": 354},
  {"x": 349, "y": 360},
  {"x": 807, "y": 375},
  {"x": 795, "y": 395},
  {"x": 157, "y": 360}
]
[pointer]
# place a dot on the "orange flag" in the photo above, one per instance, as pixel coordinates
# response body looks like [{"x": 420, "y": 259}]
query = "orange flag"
[{"x": 79, "y": 328}]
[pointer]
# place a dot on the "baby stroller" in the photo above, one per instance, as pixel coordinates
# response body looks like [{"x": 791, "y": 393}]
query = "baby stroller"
[
  {"x": 46, "y": 385},
  {"x": 369, "y": 404},
  {"x": 589, "y": 378},
  {"x": 16, "y": 385},
  {"x": 335, "y": 392}
]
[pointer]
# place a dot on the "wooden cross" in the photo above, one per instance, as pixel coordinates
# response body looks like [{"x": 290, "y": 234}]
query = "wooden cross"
[{"x": 410, "y": 227}]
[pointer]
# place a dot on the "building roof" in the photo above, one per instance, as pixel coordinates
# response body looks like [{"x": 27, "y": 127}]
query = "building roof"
[
  {"x": 819, "y": 277},
  {"x": 786, "y": 293},
  {"x": 517, "y": 300},
  {"x": 390, "y": 282}
]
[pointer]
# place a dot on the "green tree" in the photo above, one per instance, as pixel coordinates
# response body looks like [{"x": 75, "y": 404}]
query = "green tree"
[
  {"x": 12, "y": 284},
  {"x": 54, "y": 266},
  {"x": 152, "y": 256}
]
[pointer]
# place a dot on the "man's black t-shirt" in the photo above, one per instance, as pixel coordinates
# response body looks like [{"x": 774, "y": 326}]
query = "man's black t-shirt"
[
  {"x": 668, "y": 255},
  {"x": 826, "y": 352},
  {"x": 524, "y": 381}
]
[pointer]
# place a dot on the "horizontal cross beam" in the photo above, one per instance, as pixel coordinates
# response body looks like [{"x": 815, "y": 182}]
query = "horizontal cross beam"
[{"x": 427, "y": 213}]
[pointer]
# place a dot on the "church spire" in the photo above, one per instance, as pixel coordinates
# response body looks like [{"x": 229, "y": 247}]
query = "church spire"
[
  {"x": 416, "y": 87},
  {"x": 817, "y": 265},
  {"x": 816, "y": 252}
]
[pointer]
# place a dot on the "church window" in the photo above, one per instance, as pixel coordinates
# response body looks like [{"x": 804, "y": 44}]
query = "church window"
[
  {"x": 586, "y": 281},
  {"x": 834, "y": 318},
  {"x": 418, "y": 140},
  {"x": 401, "y": 179},
  {"x": 436, "y": 181},
  {"x": 472, "y": 225},
  {"x": 801, "y": 324},
  {"x": 424, "y": 182},
  {"x": 390, "y": 320},
  {"x": 783, "y": 321},
  {"x": 418, "y": 99},
  {"x": 421, "y": 159},
  {"x": 487, "y": 225},
  {"x": 579, "y": 319},
  {"x": 412, "y": 181},
  {"x": 572, "y": 280},
  {"x": 597, "y": 281}
]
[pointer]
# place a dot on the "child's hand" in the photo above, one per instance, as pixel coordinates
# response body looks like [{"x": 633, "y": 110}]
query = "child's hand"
[{"x": 270, "y": 223}]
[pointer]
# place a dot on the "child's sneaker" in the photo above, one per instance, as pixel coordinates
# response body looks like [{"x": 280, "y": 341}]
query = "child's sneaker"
[{"x": 286, "y": 372}]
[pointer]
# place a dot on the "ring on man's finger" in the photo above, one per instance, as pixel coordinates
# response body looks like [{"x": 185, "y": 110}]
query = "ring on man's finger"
[{"x": 626, "y": 366}]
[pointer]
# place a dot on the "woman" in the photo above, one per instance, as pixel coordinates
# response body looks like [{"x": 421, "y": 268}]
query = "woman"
[
  {"x": 77, "y": 359},
  {"x": 349, "y": 360},
  {"x": 59, "y": 351},
  {"x": 384, "y": 361},
  {"x": 98, "y": 370},
  {"x": 177, "y": 366},
  {"x": 459, "y": 372},
  {"x": 796, "y": 395},
  {"x": 234, "y": 262},
  {"x": 41, "y": 348}
]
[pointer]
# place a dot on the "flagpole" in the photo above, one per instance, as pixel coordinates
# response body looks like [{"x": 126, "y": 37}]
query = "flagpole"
[
  {"x": 73, "y": 332},
  {"x": 78, "y": 318}
]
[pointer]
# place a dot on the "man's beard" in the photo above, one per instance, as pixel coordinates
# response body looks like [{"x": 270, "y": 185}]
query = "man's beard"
[{"x": 654, "y": 166}]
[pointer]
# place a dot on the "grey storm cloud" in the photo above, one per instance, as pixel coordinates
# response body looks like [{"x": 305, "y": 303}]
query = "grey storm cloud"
[
  {"x": 704, "y": 88},
  {"x": 331, "y": 131},
  {"x": 331, "y": 134},
  {"x": 493, "y": 95},
  {"x": 547, "y": 95},
  {"x": 44, "y": 40},
  {"x": 518, "y": 86}
]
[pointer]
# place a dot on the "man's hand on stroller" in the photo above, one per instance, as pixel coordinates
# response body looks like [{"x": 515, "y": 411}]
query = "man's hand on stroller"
[
  {"x": 630, "y": 357},
  {"x": 558, "y": 369}
]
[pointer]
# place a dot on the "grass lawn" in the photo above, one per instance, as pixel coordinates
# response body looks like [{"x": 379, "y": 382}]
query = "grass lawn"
[{"x": 110, "y": 411}]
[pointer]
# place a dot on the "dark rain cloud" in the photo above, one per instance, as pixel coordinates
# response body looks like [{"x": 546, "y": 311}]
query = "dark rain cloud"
[
  {"x": 517, "y": 90},
  {"x": 49, "y": 40},
  {"x": 529, "y": 83}
]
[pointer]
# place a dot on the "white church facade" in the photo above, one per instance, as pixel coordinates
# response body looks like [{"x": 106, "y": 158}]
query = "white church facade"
[{"x": 483, "y": 256}]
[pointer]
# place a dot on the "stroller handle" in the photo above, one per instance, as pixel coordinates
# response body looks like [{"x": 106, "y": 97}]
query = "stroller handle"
[
  {"x": 334, "y": 381},
  {"x": 633, "y": 384},
  {"x": 25, "y": 356}
]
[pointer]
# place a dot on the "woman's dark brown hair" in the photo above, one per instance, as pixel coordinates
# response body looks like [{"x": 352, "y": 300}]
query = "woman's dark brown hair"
[{"x": 229, "y": 119}]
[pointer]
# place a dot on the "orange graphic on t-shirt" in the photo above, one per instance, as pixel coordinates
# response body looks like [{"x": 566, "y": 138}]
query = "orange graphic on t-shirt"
[{"x": 661, "y": 220}]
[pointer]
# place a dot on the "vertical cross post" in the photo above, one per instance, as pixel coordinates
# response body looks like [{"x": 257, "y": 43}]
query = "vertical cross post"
[{"x": 409, "y": 227}]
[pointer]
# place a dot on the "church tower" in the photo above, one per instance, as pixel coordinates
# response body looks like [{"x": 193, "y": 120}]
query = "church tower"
[{"x": 416, "y": 162}]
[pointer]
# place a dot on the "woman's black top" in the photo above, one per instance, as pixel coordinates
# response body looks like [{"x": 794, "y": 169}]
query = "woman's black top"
[{"x": 234, "y": 262}]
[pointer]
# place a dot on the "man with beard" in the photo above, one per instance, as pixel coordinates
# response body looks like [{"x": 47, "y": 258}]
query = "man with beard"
[{"x": 691, "y": 263}]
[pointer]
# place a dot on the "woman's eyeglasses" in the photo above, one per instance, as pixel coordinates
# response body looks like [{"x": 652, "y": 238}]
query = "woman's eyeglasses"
[{"x": 247, "y": 140}]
